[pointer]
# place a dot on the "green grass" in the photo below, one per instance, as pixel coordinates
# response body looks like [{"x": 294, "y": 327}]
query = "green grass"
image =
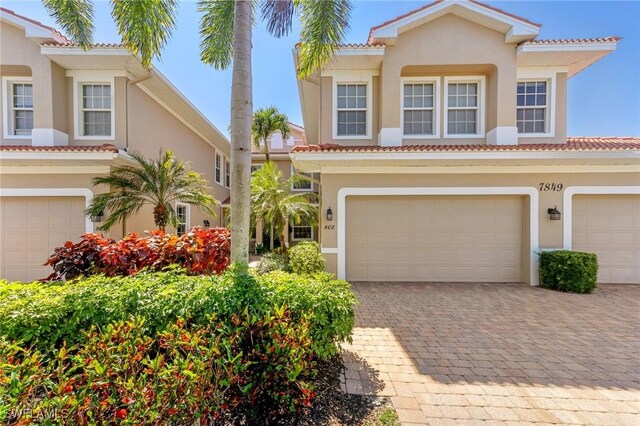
[{"x": 388, "y": 417}]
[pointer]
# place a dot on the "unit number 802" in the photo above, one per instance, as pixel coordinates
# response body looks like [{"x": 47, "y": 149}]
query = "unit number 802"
[{"x": 546, "y": 186}]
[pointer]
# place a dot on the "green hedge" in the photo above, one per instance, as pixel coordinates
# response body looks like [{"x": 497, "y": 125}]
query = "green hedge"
[
  {"x": 305, "y": 258},
  {"x": 570, "y": 271},
  {"x": 46, "y": 314}
]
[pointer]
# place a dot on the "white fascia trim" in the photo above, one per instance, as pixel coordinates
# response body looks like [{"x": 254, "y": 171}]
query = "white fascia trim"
[
  {"x": 31, "y": 30},
  {"x": 329, "y": 250},
  {"x": 547, "y": 74},
  {"x": 354, "y": 51},
  {"x": 567, "y": 47},
  {"x": 567, "y": 201},
  {"x": 436, "y": 105},
  {"x": 530, "y": 191},
  {"x": 93, "y": 51},
  {"x": 352, "y": 77},
  {"x": 6, "y": 81},
  {"x": 53, "y": 192},
  {"x": 482, "y": 106},
  {"x": 336, "y": 158},
  {"x": 81, "y": 77},
  {"x": 100, "y": 156}
]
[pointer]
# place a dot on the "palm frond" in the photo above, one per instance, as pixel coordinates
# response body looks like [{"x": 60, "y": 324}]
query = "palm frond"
[
  {"x": 145, "y": 25},
  {"x": 324, "y": 24},
  {"x": 216, "y": 32},
  {"x": 279, "y": 16},
  {"x": 75, "y": 17}
]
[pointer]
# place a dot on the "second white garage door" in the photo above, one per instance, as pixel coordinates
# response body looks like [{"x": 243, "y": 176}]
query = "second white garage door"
[
  {"x": 31, "y": 227},
  {"x": 434, "y": 238}
]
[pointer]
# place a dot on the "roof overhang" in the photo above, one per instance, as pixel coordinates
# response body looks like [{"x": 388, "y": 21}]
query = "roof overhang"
[
  {"x": 576, "y": 56},
  {"x": 32, "y": 29},
  {"x": 61, "y": 162},
  {"x": 516, "y": 30}
]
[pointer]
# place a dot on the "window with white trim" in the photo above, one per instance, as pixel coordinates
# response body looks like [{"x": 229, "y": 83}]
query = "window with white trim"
[
  {"x": 301, "y": 184},
  {"x": 182, "y": 212},
  {"x": 96, "y": 109},
  {"x": 218, "y": 173},
  {"x": 255, "y": 167},
  {"x": 532, "y": 106},
  {"x": 18, "y": 104},
  {"x": 463, "y": 107},
  {"x": 418, "y": 108},
  {"x": 351, "y": 109},
  {"x": 227, "y": 173},
  {"x": 302, "y": 231}
]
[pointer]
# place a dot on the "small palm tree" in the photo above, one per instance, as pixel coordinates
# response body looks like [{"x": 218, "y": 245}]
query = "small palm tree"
[
  {"x": 159, "y": 183},
  {"x": 273, "y": 200},
  {"x": 267, "y": 121}
]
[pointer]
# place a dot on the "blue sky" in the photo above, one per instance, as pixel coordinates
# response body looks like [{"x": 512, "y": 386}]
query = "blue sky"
[{"x": 603, "y": 100}]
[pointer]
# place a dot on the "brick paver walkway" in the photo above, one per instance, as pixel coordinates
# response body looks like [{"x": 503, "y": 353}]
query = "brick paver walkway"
[{"x": 498, "y": 353}]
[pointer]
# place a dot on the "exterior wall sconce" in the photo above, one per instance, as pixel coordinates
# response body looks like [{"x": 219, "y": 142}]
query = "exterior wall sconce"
[
  {"x": 329, "y": 214},
  {"x": 554, "y": 213},
  {"x": 207, "y": 223},
  {"x": 97, "y": 218}
]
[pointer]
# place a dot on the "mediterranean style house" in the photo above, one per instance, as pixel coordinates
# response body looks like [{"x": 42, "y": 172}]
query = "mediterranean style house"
[
  {"x": 69, "y": 115},
  {"x": 279, "y": 150},
  {"x": 441, "y": 144}
]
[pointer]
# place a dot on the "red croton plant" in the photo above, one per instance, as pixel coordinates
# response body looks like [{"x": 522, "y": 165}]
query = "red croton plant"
[{"x": 198, "y": 251}]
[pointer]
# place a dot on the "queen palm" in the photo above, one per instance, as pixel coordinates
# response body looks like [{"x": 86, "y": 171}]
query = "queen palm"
[
  {"x": 274, "y": 201},
  {"x": 225, "y": 29},
  {"x": 267, "y": 121},
  {"x": 159, "y": 183}
]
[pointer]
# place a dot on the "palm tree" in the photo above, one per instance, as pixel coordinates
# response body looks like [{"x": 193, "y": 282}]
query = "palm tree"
[
  {"x": 267, "y": 121},
  {"x": 273, "y": 200},
  {"x": 159, "y": 183},
  {"x": 225, "y": 29}
]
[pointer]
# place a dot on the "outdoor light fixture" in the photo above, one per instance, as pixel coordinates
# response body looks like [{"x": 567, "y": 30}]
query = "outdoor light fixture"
[
  {"x": 554, "y": 213},
  {"x": 97, "y": 218},
  {"x": 329, "y": 214},
  {"x": 207, "y": 223}
]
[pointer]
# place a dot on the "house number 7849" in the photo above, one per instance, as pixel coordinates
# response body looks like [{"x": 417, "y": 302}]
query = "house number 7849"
[{"x": 550, "y": 186}]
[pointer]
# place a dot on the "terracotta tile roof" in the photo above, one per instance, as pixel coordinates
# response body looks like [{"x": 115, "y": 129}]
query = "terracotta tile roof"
[
  {"x": 64, "y": 148},
  {"x": 38, "y": 23},
  {"x": 575, "y": 40},
  {"x": 361, "y": 45},
  {"x": 93, "y": 46},
  {"x": 573, "y": 144},
  {"x": 397, "y": 18}
]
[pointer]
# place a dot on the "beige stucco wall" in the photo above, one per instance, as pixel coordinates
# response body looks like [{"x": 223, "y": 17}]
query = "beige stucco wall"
[{"x": 550, "y": 232}]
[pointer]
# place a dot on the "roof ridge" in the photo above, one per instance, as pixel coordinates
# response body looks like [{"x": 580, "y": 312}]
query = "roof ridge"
[{"x": 38, "y": 23}]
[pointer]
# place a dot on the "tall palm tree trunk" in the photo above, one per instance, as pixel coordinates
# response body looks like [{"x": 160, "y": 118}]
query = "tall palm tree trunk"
[{"x": 241, "y": 114}]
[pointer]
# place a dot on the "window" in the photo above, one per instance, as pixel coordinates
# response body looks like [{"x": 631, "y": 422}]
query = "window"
[
  {"x": 255, "y": 167},
  {"x": 218, "y": 175},
  {"x": 182, "y": 211},
  {"x": 302, "y": 184},
  {"x": 532, "y": 108},
  {"x": 351, "y": 110},
  {"x": 227, "y": 173},
  {"x": 419, "y": 101},
  {"x": 96, "y": 109},
  {"x": 18, "y": 104},
  {"x": 302, "y": 231},
  {"x": 463, "y": 104}
]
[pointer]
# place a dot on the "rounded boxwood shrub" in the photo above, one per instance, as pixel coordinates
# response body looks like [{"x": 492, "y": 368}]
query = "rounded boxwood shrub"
[
  {"x": 305, "y": 258},
  {"x": 571, "y": 271}
]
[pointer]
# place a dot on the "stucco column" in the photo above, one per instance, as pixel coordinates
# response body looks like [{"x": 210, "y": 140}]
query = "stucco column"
[
  {"x": 259, "y": 231},
  {"x": 285, "y": 243}
]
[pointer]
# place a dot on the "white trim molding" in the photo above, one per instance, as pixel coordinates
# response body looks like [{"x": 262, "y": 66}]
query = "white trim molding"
[
  {"x": 7, "y": 107},
  {"x": 529, "y": 191},
  {"x": 82, "y": 77},
  {"x": 53, "y": 192},
  {"x": 567, "y": 202}
]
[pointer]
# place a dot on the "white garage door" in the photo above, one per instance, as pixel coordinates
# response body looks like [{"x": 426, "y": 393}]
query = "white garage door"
[
  {"x": 609, "y": 225},
  {"x": 434, "y": 238},
  {"x": 31, "y": 227}
]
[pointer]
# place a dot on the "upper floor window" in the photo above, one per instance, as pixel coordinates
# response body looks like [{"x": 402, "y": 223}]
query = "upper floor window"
[
  {"x": 182, "y": 212},
  {"x": 96, "y": 109},
  {"x": 255, "y": 167},
  {"x": 227, "y": 173},
  {"x": 532, "y": 107},
  {"x": 351, "y": 110},
  {"x": 18, "y": 105},
  {"x": 464, "y": 110},
  {"x": 302, "y": 184},
  {"x": 218, "y": 175},
  {"x": 419, "y": 108}
]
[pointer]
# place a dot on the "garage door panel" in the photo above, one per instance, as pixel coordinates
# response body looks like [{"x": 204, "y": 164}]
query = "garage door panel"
[
  {"x": 609, "y": 226},
  {"x": 31, "y": 228},
  {"x": 449, "y": 239}
]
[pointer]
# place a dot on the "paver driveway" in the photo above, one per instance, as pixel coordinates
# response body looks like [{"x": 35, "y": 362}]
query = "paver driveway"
[{"x": 498, "y": 353}]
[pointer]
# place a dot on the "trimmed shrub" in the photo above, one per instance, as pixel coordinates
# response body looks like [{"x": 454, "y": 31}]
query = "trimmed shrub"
[
  {"x": 305, "y": 258},
  {"x": 248, "y": 370},
  {"x": 567, "y": 270},
  {"x": 271, "y": 262},
  {"x": 199, "y": 251},
  {"x": 48, "y": 314}
]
